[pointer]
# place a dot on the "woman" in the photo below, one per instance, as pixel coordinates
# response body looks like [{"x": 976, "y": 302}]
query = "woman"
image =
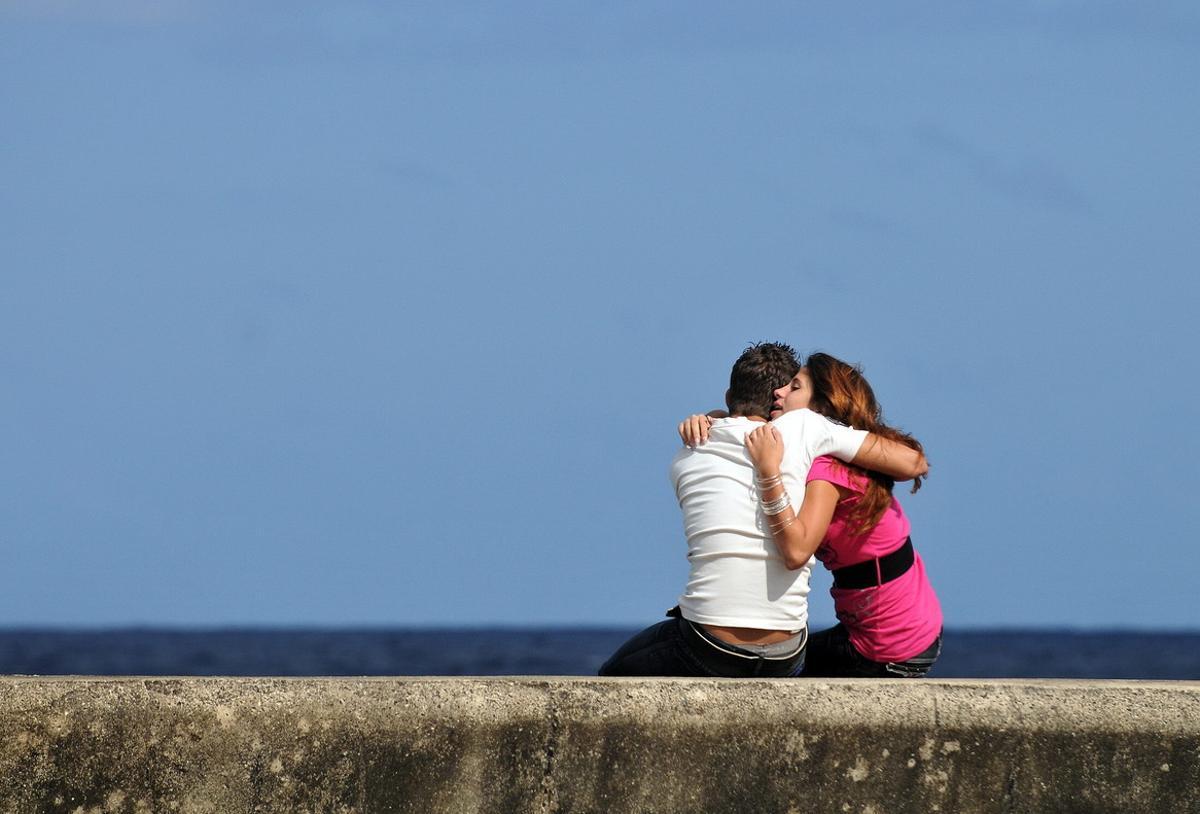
[{"x": 890, "y": 622}]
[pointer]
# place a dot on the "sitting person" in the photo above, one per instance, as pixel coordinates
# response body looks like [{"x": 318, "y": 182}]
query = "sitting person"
[
  {"x": 744, "y": 613},
  {"x": 890, "y": 622}
]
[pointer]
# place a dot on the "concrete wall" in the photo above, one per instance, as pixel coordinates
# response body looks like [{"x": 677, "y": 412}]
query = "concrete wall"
[{"x": 589, "y": 745}]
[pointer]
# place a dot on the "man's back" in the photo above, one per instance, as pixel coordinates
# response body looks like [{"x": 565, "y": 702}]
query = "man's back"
[{"x": 737, "y": 577}]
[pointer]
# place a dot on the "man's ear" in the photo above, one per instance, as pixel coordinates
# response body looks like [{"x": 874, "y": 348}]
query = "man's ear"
[{"x": 728, "y": 406}]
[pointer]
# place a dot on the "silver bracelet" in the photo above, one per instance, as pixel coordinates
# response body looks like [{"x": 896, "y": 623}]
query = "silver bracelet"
[
  {"x": 778, "y": 505},
  {"x": 767, "y": 483},
  {"x": 784, "y": 524}
]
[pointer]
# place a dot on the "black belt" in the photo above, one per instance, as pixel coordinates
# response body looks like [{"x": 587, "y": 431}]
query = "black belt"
[{"x": 874, "y": 572}]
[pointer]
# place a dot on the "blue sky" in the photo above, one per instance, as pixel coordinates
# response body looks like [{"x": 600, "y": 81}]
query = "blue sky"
[{"x": 345, "y": 313}]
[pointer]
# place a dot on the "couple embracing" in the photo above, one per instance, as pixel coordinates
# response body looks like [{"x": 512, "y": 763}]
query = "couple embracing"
[{"x": 801, "y": 465}]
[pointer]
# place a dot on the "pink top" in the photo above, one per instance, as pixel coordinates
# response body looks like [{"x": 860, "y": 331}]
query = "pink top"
[{"x": 890, "y": 622}]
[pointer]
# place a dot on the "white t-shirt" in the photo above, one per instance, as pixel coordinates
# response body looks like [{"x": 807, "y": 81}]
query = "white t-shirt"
[{"x": 737, "y": 577}]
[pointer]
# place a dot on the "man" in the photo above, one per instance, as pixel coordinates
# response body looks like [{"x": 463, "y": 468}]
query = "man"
[{"x": 744, "y": 613}]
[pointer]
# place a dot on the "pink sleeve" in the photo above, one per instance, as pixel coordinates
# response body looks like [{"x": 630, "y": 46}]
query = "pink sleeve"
[{"x": 830, "y": 469}]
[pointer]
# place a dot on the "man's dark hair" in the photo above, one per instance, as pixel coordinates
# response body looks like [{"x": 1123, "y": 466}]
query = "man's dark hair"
[{"x": 762, "y": 369}]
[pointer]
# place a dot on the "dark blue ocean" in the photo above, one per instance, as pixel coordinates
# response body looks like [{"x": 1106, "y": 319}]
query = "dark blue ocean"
[{"x": 538, "y": 651}]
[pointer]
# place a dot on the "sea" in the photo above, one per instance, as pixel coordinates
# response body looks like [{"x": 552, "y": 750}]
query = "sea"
[{"x": 1040, "y": 653}]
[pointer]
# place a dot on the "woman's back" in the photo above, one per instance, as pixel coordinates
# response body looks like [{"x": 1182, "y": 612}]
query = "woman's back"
[{"x": 889, "y": 622}]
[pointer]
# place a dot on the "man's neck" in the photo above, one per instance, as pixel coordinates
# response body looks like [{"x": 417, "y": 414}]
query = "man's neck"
[{"x": 750, "y": 417}]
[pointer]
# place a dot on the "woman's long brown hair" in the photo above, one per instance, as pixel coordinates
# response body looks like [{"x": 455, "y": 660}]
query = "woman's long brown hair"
[{"x": 841, "y": 392}]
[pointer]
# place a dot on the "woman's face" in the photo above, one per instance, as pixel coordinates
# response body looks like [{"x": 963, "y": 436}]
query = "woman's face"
[{"x": 794, "y": 395}]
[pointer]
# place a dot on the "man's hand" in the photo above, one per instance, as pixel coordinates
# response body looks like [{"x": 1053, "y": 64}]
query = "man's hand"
[{"x": 766, "y": 450}]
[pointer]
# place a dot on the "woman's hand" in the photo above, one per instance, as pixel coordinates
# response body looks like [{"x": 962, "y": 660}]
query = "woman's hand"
[
  {"x": 693, "y": 430},
  {"x": 766, "y": 450}
]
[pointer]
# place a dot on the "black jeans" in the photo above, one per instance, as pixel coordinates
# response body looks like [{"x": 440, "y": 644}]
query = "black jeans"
[
  {"x": 676, "y": 648},
  {"x": 831, "y": 655}
]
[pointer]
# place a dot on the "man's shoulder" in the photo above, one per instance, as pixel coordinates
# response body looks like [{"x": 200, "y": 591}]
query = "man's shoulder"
[
  {"x": 818, "y": 435},
  {"x": 726, "y": 444},
  {"x": 799, "y": 419},
  {"x": 731, "y": 430},
  {"x": 732, "y": 422},
  {"x": 720, "y": 441}
]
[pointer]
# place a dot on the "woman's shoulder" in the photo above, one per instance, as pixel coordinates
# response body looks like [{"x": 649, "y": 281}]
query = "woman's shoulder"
[
  {"x": 823, "y": 462},
  {"x": 829, "y": 468}
]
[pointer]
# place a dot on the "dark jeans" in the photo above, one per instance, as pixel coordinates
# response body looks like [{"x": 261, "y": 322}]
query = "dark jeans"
[
  {"x": 830, "y": 655},
  {"x": 676, "y": 648}
]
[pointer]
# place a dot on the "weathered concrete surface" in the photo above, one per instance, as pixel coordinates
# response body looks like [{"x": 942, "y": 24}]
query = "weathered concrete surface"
[{"x": 593, "y": 745}]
